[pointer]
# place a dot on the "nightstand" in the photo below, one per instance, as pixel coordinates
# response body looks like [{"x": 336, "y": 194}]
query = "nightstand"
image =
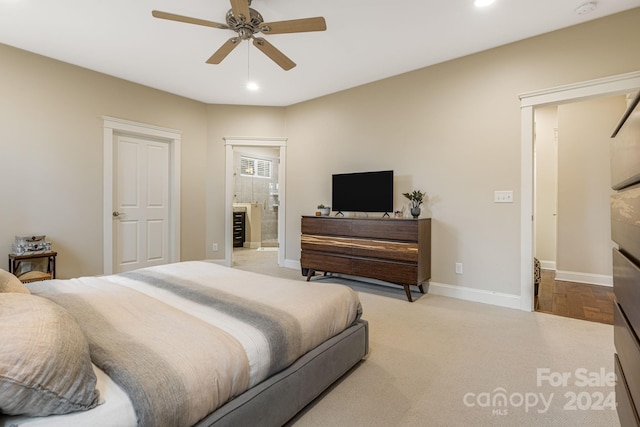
[{"x": 34, "y": 275}]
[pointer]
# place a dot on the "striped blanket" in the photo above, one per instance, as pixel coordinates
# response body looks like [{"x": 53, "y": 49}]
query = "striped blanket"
[{"x": 182, "y": 339}]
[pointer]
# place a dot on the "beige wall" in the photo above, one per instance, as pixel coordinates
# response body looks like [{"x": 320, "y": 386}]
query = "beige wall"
[
  {"x": 452, "y": 130},
  {"x": 51, "y": 155},
  {"x": 584, "y": 187},
  {"x": 231, "y": 121}
]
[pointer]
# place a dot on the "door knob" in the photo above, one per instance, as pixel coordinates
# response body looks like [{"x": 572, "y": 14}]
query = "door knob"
[{"x": 116, "y": 214}]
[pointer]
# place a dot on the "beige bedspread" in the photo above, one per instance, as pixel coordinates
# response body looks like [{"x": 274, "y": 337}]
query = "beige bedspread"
[{"x": 182, "y": 339}]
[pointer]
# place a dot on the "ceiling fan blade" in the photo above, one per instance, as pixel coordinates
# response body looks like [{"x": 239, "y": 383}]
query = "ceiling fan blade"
[
  {"x": 294, "y": 26},
  {"x": 241, "y": 9},
  {"x": 188, "y": 20},
  {"x": 224, "y": 50},
  {"x": 276, "y": 56}
]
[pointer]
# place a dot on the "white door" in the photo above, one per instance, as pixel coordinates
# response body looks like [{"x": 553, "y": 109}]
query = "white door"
[{"x": 141, "y": 203}]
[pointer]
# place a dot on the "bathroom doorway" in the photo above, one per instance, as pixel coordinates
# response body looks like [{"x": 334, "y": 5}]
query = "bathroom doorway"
[
  {"x": 255, "y": 201},
  {"x": 256, "y": 197}
]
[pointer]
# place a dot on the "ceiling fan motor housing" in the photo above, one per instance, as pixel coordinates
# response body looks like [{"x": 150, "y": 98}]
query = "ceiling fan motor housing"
[{"x": 246, "y": 30}]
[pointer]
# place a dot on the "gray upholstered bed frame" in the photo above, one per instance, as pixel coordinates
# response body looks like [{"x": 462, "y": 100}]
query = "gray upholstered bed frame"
[{"x": 277, "y": 399}]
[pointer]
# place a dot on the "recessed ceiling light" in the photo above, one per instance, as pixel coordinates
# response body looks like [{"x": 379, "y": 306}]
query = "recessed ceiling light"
[
  {"x": 482, "y": 3},
  {"x": 585, "y": 8}
]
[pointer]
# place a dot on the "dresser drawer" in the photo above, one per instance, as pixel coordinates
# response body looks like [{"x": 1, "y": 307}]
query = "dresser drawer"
[
  {"x": 626, "y": 287},
  {"x": 331, "y": 244},
  {"x": 403, "y": 274},
  {"x": 326, "y": 262},
  {"x": 628, "y": 350},
  {"x": 382, "y": 249},
  {"x": 402, "y": 229},
  {"x": 626, "y": 409},
  {"x": 326, "y": 226},
  {"x": 625, "y": 229},
  {"x": 625, "y": 150}
]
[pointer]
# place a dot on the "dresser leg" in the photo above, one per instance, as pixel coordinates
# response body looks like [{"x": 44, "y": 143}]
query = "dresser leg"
[
  {"x": 310, "y": 273},
  {"x": 421, "y": 288},
  {"x": 408, "y": 292}
]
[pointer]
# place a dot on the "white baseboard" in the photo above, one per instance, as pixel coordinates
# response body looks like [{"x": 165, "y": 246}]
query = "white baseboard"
[
  {"x": 591, "y": 279},
  {"x": 547, "y": 265},
  {"x": 477, "y": 295},
  {"x": 460, "y": 292},
  {"x": 293, "y": 264}
]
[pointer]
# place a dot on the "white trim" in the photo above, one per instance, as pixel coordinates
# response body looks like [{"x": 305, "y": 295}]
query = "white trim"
[
  {"x": 477, "y": 295},
  {"x": 242, "y": 141},
  {"x": 547, "y": 265},
  {"x": 293, "y": 264},
  {"x": 613, "y": 85},
  {"x": 590, "y": 278},
  {"x": 526, "y": 210},
  {"x": 249, "y": 141},
  {"x": 113, "y": 126}
]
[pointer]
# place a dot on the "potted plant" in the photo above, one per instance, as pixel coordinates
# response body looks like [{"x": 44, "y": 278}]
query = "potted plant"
[
  {"x": 416, "y": 198},
  {"x": 324, "y": 210}
]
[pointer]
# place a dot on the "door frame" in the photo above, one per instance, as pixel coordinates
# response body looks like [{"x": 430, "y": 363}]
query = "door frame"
[
  {"x": 114, "y": 126},
  {"x": 607, "y": 86},
  {"x": 231, "y": 142}
]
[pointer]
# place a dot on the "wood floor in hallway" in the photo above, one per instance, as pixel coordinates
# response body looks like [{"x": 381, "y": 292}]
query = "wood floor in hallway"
[{"x": 576, "y": 300}]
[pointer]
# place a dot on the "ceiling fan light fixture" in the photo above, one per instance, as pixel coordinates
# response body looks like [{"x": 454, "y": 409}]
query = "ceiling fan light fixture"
[
  {"x": 252, "y": 86},
  {"x": 483, "y": 3}
]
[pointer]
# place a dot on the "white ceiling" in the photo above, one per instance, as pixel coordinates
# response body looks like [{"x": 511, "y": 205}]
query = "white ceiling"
[{"x": 366, "y": 40}]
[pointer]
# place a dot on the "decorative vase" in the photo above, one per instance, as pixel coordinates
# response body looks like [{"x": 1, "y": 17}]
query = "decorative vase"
[{"x": 415, "y": 212}]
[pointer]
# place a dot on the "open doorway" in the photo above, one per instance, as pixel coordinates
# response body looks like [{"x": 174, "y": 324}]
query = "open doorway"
[
  {"x": 256, "y": 205},
  {"x": 608, "y": 86},
  {"x": 572, "y": 233},
  {"x": 255, "y": 202}
]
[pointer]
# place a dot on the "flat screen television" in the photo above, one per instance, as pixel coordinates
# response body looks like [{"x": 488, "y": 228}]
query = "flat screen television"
[{"x": 362, "y": 192}]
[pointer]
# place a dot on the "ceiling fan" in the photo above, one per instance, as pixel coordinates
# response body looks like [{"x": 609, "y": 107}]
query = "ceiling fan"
[{"x": 246, "y": 22}]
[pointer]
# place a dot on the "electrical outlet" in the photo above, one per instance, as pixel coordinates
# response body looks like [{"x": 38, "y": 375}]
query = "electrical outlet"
[
  {"x": 458, "y": 268},
  {"x": 214, "y": 247},
  {"x": 503, "y": 196}
]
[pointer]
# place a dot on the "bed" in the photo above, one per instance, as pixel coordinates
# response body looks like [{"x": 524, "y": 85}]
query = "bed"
[{"x": 191, "y": 343}]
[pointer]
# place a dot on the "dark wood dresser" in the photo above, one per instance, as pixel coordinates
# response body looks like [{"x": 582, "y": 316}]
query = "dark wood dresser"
[
  {"x": 625, "y": 231},
  {"x": 388, "y": 249}
]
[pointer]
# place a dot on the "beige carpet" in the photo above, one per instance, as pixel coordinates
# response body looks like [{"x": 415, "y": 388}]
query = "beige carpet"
[{"x": 446, "y": 362}]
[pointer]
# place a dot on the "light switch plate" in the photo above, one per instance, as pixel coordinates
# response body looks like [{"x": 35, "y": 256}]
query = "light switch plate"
[{"x": 503, "y": 196}]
